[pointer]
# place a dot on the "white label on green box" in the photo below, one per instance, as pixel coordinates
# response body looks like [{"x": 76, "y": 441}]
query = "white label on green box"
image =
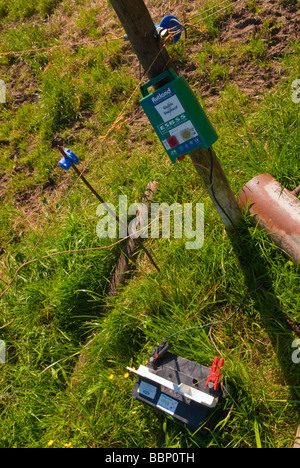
[{"x": 169, "y": 108}]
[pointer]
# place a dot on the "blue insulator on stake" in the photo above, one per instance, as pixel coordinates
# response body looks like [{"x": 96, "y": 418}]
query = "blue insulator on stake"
[
  {"x": 172, "y": 24},
  {"x": 67, "y": 162}
]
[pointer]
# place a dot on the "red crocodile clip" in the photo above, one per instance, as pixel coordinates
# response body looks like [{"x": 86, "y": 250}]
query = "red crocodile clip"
[{"x": 214, "y": 374}]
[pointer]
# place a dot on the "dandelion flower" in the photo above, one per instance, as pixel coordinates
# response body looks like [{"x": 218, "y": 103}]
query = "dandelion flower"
[
  {"x": 68, "y": 445},
  {"x": 50, "y": 443},
  {"x": 111, "y": 376},
  {"x": 126, "y": 375}
]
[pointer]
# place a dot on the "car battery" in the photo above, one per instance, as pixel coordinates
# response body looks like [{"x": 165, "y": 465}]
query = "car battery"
[
  {"x": 176, "y": 115},
  {"x": 185, "y": 390}
]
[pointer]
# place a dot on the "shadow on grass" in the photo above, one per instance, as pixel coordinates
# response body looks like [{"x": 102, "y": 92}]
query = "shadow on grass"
[{"x": 280, "y": 327}]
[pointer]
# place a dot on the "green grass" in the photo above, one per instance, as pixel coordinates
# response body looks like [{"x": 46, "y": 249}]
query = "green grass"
[
  {"x": 50, "y": 314},
  {"x": 19, "y": 10}
]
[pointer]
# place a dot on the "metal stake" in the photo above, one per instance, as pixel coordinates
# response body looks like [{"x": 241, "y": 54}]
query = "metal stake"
[{"x": 94, "y": 192}]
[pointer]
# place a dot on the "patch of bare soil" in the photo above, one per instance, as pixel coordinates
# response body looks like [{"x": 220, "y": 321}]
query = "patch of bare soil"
[
  {"x": 3, "y": 183},
  {"x": 35, "y": 201},
  {"x": 278, "y": 24},
  {"x": 275, "y": 23},
  {"x": 280, "y": 18}
]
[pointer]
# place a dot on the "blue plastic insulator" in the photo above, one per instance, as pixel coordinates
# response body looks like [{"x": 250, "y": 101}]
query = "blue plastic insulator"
[
  {"x": 67, "y": 162},
  {"x": 168, "y": 22},
  {"x": 172, "y": 23}
]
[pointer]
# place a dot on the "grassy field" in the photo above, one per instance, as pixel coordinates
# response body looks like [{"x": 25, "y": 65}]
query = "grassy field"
[{"x": 69, "y": 74}]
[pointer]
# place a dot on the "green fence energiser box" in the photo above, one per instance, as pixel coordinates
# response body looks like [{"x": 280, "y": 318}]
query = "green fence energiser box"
[{"x": 176, "y": 115}]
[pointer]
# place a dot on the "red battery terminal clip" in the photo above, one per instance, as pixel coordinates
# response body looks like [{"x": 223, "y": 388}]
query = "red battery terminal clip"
[{"x": 214, "y": 374}]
